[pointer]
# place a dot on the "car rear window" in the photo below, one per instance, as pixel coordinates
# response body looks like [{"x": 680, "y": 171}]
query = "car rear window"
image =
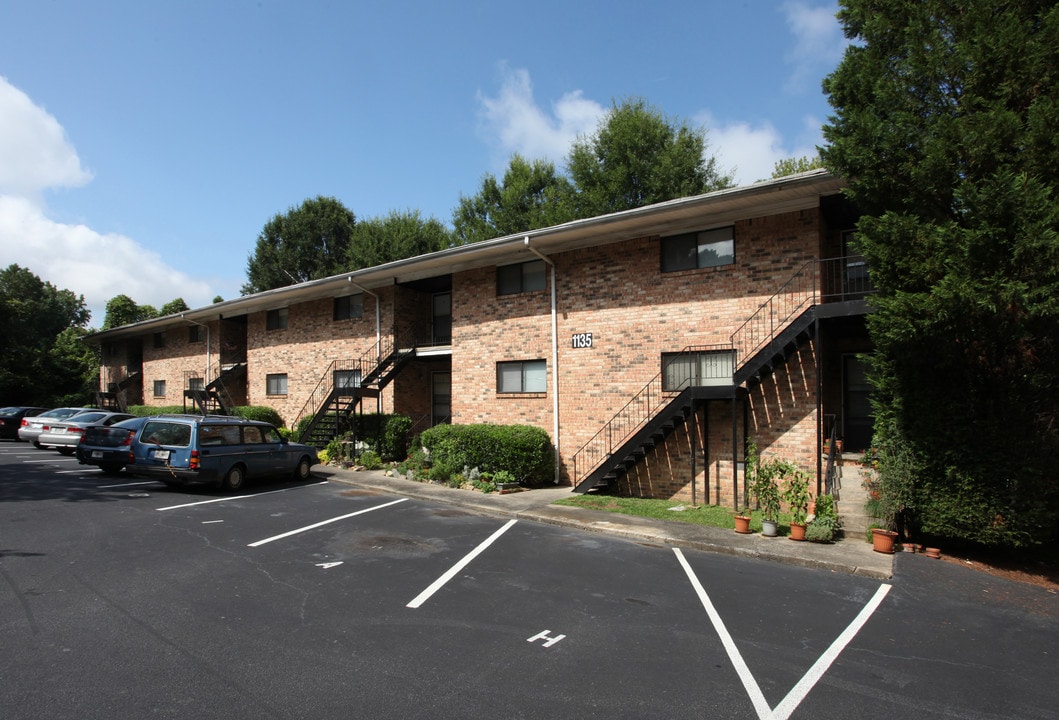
[{"x": 166, "y": 433}]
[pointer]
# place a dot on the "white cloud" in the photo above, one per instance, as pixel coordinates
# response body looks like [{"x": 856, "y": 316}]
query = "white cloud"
[
  {"x": 754, "y": 150},
  {"x": 512, "y": 122},
  {"x": 818, "y": 43},
  {"x": 35, "y": 156}
]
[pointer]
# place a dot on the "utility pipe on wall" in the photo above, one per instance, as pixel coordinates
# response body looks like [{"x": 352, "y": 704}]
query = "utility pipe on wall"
[{"x": 555, "y": 357}]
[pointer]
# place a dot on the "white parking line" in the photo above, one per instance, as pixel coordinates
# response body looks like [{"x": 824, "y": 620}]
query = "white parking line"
[
  {"x": 437, "y": 584},
  {"x": 234, "y": 497},
  {"x": 323, "y": 522},
  {"x": 128, "y": 484},
  {"x": 802, "y": 687}
]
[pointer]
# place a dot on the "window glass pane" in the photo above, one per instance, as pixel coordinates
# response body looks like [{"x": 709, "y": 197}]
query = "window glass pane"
[
  {"x": 716, "y": 247},
  {"x": 715, "y": 368},
  {"x": 509, "y": 377},
  {"x": 252, "y": 434},
  {"x": 679, "y": 371},
  {"x": 678, "y": 253},
  {"x": 508, "y": 279},
  {"x": 276, "y": 384},
  {"x": 347, "y": 378},
  {"x": 536, "y": 376},
  {"x": 533, "y": 277}
]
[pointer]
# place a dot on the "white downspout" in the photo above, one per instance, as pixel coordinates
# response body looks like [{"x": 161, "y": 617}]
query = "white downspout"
[{"x": 555, "y": 357}]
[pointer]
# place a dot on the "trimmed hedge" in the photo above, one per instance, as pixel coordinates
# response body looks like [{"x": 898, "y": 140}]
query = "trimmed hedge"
[
  {"x": 522, "y": 450},
  {"x": 250, "y": 412}
]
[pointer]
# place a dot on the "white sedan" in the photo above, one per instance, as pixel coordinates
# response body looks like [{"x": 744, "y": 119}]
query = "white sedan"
[{"x": 63, "y": 435}]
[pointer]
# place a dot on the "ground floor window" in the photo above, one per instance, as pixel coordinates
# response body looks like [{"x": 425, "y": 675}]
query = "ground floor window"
[
  {"x": 441, "y": 398},
  {"x": 697, "y": 369},
  {"x": 276, "y": 384},
  {"x": 524, "y": 376},
  {"x": 159, "y": 388}
]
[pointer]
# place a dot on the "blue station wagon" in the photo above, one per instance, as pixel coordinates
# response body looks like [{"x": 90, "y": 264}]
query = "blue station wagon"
[{"x": 218, "y": 450}]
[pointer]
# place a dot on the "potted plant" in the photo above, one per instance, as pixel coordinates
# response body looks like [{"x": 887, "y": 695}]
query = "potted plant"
[
  {"x": 797, "y": 498},
  {"x": 823, "y": 525},
  {"x": 766, "y": 492},
  {"x": 742, "y": 521}
]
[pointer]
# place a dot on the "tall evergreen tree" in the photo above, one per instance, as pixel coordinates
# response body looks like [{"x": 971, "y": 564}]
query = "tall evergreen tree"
[
  {"x": 636, "y": 157},
  {"x": 947, "y": 125},
  {"x": 308, "y": 242},
  {"x": 531, "y": 195}
]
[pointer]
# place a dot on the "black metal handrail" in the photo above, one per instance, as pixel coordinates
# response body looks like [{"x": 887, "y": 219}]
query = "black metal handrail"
[
  {"x": 643, "y": 406},
  {"x": 816, "y": 281}
]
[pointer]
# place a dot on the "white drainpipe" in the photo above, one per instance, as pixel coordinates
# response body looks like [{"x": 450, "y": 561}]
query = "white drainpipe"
[{"x": 555, "y": 358}]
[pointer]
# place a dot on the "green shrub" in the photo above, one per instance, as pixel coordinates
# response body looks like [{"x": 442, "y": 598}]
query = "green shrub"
[
  {"x": 522, "y": 450},
  {"x": 149, "y": 410},
  {"x": 259, "y": 412},
  {"x": 370, "y": 460}
]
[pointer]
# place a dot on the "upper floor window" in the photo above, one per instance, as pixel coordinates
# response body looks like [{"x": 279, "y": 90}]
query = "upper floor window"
[
  {"x": 276, "y": 319},
  {"x": 196, "y": 334},
  {"x": 159, "y": 339},
  {"x": 697, "y": 369},
  {"x": 349, "y": 307},
  {"x": 708, "y": 248},
  {"x": 520, "y": 277},
  {"x": 526, "y": 376},
  {"x": 276, "y": 384}
]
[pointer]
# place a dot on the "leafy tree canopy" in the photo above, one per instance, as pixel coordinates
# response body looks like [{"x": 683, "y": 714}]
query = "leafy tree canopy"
[
  {"x": 946, "y": 122},
  {"x": 531, "y": 195},
  {"x": 396, "y": 236},
  {"x": 308, "y": 242},
  {"x": 33, "y": 316},
  {"x": 172, "y": 307},
  {"x": 123, "y": 310},
  {"x": 636, "y": 157},
  {"x": 793, "y": 166}
]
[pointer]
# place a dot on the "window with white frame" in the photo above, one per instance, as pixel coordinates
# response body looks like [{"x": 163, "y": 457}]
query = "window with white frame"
[
  {"x": 276, "y": 384},
  {"x": 520, "y": 277},
  {"x": 697, "y": 369},
  {"x": 349, "y": 307},
  {"x": 704, "y": 249},
  {"x": 524, "y": 376},
  {"x": 276, "y": 319}
]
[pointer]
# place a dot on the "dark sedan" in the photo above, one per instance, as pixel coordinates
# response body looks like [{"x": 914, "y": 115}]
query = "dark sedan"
[
  {"x": 11, "y": 419},
  {"x": 108, "y": 445}
]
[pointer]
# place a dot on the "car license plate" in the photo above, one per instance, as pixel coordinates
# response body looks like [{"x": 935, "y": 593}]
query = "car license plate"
[
  {"x": 161, "y": 455},
  {"x": 96, "y": 454}
]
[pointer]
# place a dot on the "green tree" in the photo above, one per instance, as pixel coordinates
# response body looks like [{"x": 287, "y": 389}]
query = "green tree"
[
  {"x": 308, "y": 242},
  {"x": 173, "y": 307},
  {"x": 396, "y": 236},
  {"x": 636, "y": 157},
  {"x": 793, "y": 166},
  {"x": 531, "y": 195},
  {"x": 123, "y": 310},
  {"x": 33, "y": 314},
  {"x": 946, "y": 119}
]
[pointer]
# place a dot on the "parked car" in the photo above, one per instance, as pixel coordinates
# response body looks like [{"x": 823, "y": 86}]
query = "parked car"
[
  {"x": 214, "y": 449},
  {"x": 11, "y": 419},
  {"x": 64, "y": 435},
  {"x": 108, "y": 446},
  {"x": 30, "y": 428}
]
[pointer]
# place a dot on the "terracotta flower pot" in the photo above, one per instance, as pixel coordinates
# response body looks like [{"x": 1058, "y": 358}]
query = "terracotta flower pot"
[
  {"x": 797, "y": 531},
  {"x": 742, "y": 524},
  {"x": 883, "y": 540}
]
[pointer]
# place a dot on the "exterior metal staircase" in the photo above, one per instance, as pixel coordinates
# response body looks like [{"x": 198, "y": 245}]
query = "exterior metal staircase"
[
  {"x": 764, "y": 342},
  {"x": 214, "y": 398},
  {"x": 342, "y": 388},
  {"x": 115, "y": 396}
]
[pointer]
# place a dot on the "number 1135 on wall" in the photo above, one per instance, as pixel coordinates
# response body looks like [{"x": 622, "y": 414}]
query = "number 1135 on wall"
[{"x": 581, "y": 340}]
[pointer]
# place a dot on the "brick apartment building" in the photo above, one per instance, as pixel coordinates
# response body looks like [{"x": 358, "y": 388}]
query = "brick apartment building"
[{"x": 648, "y": 343}]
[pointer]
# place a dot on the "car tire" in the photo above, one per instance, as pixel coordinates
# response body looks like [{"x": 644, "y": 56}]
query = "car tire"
[
  {"x": 38, "y": 445},
  {"x": 65, "y": 451},
  {"x": 303, "y": 470},
  {"x": 111, "y": 468},
  {"x": 235, "y": 479}
]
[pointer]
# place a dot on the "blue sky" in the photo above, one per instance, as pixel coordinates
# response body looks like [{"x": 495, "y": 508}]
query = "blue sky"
[{"x": 144, "y": 145}]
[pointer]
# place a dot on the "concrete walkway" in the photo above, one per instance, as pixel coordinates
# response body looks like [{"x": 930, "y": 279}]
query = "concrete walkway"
[{"x": 850, "y": 555}]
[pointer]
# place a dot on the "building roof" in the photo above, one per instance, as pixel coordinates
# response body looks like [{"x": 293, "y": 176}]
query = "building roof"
[{"x": 770, "y": 197}]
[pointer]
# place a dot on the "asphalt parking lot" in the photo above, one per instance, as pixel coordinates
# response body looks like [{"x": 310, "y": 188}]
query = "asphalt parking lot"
[{"x": 339, "y": 599}]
